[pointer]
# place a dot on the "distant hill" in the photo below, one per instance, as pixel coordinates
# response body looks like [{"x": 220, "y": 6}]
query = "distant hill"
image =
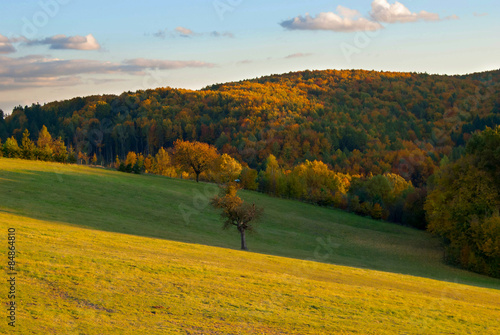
[{"x": 356, "y": 121}]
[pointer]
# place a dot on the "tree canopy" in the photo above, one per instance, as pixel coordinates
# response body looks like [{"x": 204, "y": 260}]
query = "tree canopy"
[
  {"x": 464, "y": 206},
  {"x": 196, "y": 156},
  {"x": 236, "y": 212}
]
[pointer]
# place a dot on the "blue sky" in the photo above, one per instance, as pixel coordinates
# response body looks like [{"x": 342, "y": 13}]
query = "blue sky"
[{"x": 58, "y": 49}]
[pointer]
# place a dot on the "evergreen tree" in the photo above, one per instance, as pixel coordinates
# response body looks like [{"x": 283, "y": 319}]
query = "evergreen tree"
[
  {"x": 28, "y": 148},
  {"x": 44, "y": 143},
  {"x": 59, "y": 151}
]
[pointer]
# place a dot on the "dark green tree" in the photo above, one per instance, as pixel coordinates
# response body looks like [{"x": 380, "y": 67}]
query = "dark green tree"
[{"x": 28, "y": 148}]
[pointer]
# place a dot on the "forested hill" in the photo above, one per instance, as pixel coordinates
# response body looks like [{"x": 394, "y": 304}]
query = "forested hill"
[{"x": 356, "y": 121}]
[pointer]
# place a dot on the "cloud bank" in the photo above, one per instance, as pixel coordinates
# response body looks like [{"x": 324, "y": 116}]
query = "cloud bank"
[
  {"x": 142, "y": 63},
  {"x": 38, "y": 70},
  {"x": 69, "y": 42},
  {"x": 6, "y": 46}
]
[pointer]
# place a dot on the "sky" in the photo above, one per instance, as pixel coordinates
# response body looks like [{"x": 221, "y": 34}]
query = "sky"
[{"x": 59, "y": 49}]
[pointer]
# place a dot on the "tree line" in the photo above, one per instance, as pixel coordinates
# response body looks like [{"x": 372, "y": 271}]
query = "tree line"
[
  {"x": 462, "y": 207},
  {"x": 357, "y": 122},
  {"x": 45, "y": 148},
  {"x": 387, "y": 196}
]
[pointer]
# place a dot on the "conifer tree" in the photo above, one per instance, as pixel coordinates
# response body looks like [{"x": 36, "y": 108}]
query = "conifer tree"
[
  {"x": 28, "y": 148},
  {"x": 44, "y": 144}
]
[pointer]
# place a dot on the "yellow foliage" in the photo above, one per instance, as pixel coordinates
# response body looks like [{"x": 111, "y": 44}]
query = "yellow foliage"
[
  {"x": 44, "y": 138},
  {"x": 226, "y": 169},
  {"x": 195, "y": 156},
  {"x": 398, "y": 183},
  {"x": 131, "y": 158},
  {"x": 148, "y": 164}
]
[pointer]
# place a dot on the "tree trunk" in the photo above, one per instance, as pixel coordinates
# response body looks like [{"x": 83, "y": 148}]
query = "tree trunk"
[
  {"x": 197, "y": 177},
  {"x": 243, "y": 240}
]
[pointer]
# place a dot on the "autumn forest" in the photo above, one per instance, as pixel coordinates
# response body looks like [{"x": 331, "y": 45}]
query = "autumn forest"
[{"x": 411, "y": 148}]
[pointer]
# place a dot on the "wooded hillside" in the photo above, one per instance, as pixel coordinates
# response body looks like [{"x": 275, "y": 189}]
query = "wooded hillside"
[{"x": 356, "y": 121}]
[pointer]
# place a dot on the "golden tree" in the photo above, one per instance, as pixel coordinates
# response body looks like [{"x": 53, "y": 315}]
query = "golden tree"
[
  {"x": 44, "y": 144},
  {"x": 195, "y": 156},
  {"x": 82, "y": 156},
  {"x": 161, "y": 162},
  {"x": 131, "y": 159},
  {"x": 227, "y": 169}
]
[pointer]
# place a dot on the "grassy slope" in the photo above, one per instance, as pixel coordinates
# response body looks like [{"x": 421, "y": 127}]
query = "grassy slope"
[{"x": 74, "y": 280}]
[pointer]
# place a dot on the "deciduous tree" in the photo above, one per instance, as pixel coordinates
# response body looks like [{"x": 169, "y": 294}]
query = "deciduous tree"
[
  {"x": 227, "y": 169},
  {"x": 463, "y": 207},
  {"x": 195, "y": 156},
  {"x": 235, "y": 212},
  {"x": 162, "y": 163},
  {"x": 11, "y": 148}
]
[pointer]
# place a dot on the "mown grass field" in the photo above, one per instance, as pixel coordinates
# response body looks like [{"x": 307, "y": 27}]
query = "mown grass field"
[{"x": 101, "y": 252}]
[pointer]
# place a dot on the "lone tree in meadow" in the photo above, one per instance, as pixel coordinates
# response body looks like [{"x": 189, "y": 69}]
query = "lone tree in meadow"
[
  {"x": 196, "y": 156},
  {"x": 235, "y": 212}
]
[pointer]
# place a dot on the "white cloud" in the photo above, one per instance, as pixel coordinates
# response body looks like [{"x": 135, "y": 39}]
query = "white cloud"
[
  {"x": 382, "y": 11},
  {"x": 6, "y": 45},
  {"x": 347, "y": 12},
  {"x": 347, "y": 20},
  {"x": 69, "y": 42}
]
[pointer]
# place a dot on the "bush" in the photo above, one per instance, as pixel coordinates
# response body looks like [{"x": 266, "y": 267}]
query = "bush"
[
  {"x": 366, "y": 208},
  {"x": 377, "y": 212}
]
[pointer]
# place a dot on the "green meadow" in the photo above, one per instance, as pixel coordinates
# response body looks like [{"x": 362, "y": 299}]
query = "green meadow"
[{"x": 103, "y": 252}]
